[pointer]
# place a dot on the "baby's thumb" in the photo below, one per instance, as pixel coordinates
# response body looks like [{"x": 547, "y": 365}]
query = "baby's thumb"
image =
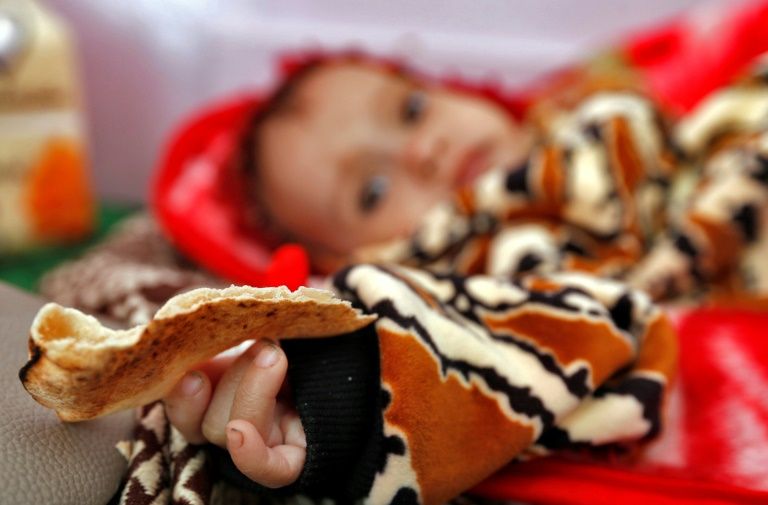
[{"x": 269, "y": 466}]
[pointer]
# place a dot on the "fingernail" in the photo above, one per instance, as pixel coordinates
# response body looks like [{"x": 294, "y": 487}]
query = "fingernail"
[
  {"x": 234, "y": 438},
  {"x": 191, "y": 384},
  {"x": 268, "y": 356}
]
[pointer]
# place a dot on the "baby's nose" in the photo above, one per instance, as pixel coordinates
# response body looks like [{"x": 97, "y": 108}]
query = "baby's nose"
[{"x": 423, "y": 153}]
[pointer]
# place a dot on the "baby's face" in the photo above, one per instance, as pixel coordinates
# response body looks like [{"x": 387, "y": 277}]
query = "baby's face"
[{"x": 361, "y": 153}]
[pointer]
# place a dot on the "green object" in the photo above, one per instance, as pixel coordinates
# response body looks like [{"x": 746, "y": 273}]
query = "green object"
[{"x": 25, "y": 269}]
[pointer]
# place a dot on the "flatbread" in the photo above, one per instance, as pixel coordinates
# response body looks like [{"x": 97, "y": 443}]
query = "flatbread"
[{"x": 84, "y": 370}]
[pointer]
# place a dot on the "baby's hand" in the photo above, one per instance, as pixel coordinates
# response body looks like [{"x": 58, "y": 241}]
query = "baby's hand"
[{"x": 233, "y": 402}]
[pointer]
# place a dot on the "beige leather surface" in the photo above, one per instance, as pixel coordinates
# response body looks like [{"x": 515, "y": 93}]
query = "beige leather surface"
[{"x": 43, "y": 460}]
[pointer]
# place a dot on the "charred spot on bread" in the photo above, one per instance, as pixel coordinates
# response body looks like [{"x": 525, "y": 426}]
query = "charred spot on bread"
[{"x": 35, "y": 355}]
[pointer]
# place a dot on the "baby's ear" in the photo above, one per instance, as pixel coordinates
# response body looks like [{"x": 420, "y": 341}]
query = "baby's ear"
[{"x": 289, "y": 265}]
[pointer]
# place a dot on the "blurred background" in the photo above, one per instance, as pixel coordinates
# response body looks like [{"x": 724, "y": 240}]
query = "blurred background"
[
  {"x": 88, "y": 105},
  {"x": 146, "y": 64}
]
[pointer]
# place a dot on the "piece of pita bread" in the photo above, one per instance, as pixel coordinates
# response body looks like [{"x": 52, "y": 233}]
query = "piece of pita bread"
[{"x": 83, "y": 370}]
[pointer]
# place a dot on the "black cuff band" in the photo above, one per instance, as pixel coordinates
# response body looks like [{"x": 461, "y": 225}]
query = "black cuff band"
[{"x": 335, "y": 385}]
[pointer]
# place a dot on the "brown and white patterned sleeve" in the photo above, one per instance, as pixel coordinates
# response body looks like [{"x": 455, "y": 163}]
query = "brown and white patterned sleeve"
[{"x": 474, "y": 371}]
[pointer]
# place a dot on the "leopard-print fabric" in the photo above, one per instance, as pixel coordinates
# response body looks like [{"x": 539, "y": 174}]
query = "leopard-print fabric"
[{"x": 478, "y": 370}]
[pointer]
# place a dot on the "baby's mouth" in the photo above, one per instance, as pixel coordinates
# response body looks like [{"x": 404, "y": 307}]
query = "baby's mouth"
[{"x": 471, "y": 164}]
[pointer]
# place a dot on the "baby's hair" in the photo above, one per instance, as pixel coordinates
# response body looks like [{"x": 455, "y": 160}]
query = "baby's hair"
[
  {"x": 274, "y": 105},
  {"x": 278, "y": 102},
  {"x": 282, "y": 96}
]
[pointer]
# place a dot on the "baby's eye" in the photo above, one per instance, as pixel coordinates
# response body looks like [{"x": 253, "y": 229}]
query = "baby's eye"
[
  {"x": 373, "y": 192},
  {"x": 413, "y": 107}
]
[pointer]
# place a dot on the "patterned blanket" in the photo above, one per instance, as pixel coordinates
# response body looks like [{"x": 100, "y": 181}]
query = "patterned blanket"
[{"x": 518, "y": 320}]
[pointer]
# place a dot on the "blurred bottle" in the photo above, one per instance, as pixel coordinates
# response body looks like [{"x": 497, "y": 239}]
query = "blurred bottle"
[{"x": 45, "y": 194}]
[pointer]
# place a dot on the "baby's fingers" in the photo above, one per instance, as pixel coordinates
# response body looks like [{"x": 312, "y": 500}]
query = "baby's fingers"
[
  {"x": 256, "y": 394},
  {"x": 217, "y": 415},
  {"x": 186, "y": 405},
  {"x": 269, "y": 466}
]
